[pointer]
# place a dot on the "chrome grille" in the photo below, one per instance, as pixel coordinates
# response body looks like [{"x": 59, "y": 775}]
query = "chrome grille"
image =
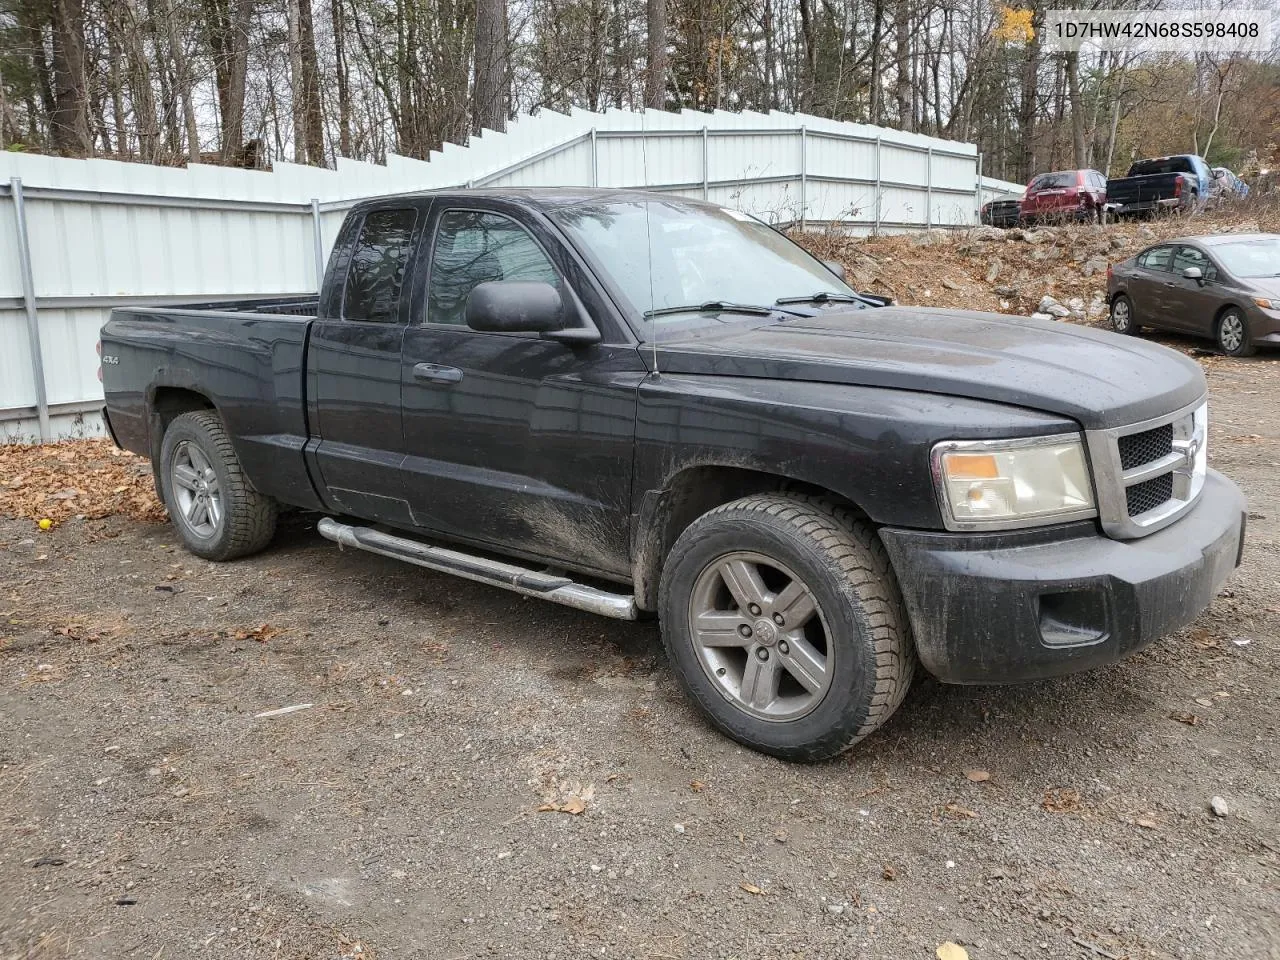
[
  {"x": 1139, "y": 448},
  {"x": 1148, "y": 494},
  {"x": 1148, "y": 474}
]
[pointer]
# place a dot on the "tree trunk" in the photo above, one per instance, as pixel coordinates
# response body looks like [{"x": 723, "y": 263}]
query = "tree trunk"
[
  {"x": 808, "y": 65},
  {"x": 182, "y": 80},
  {"x": 492, "y": 88},
  {"x": 770, "y": 58},
  {"x": 69, "y": 120},
  {"x": 238, "y": 50},
  {"x": 338, "y": 17},
  {"x": 655, "y": 81},
  {"x": 1071, "y": 64},
  {"x": 902, "y": 38},
  {"x": 1027, "y": 105}
]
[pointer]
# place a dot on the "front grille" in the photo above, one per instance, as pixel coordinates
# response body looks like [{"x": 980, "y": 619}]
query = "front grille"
[
  {"x": 1137, "y": 449},
  {"x": 1149, "y": 494},
  {"x": 1149, "y": 474}
]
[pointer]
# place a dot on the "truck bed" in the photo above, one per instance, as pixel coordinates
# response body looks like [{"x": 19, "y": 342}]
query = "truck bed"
[
  {"x": 248, "y": 356},
  {"x": 1143, "y": 192}
]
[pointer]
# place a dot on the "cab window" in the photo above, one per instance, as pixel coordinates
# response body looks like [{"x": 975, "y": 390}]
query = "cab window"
[
  {"x": 474, "y": 247},
  {"x": 376, "y": 273}
]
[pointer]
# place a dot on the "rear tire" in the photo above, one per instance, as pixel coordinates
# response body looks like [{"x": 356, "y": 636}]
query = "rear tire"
[
  {"x": 826, "y": 655},
  {"x": 1234, "y": 338},
  {"x": 216, "y": 510},
  {"x": 1122, "y": 316}
]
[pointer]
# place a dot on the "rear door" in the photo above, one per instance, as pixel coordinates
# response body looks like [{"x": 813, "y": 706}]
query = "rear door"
[
  {"x": 515, "y": 441},
  {"x": 1147, "y": 286},
  {"x": 353, "y": 366}
]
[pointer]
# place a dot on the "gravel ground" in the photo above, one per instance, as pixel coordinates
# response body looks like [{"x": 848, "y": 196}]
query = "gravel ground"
[{"x": 146, "y": 812}]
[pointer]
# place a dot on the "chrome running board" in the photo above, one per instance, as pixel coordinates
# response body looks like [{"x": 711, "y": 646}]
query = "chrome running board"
[{"x": 530, "y": 583}]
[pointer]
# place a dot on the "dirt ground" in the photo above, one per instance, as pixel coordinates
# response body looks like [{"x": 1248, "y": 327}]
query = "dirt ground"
[{"x": 146, "y": 812}]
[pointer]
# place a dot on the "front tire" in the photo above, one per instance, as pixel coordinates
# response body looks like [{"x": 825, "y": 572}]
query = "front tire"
[
  {"x": 1233, "y": 334},
  {"x": 784, "y": 623},
  {"x": 217, "y": 512},
  {"x": 1122, "y": 316}
]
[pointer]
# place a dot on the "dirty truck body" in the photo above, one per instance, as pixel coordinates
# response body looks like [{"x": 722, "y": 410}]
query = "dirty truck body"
[{"x": 636, "y": 404}]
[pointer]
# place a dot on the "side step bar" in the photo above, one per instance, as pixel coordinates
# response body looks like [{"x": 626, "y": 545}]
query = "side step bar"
[{"x": 530, "y": 583}]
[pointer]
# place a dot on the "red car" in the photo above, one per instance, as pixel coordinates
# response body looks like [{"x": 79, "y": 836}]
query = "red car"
[{"x": 1066, "y": 195}]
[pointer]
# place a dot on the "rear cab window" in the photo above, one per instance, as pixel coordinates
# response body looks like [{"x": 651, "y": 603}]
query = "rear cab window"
[{"x": 375, "y": 276}]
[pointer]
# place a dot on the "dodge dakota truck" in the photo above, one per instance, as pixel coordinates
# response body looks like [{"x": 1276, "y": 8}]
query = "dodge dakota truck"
[{"x": 638, "y": 404}]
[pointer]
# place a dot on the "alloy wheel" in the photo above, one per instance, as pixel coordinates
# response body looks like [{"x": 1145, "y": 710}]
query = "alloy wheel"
[
  {"x": 196, "y": 490},
  {"x": 760, "y": 635}
]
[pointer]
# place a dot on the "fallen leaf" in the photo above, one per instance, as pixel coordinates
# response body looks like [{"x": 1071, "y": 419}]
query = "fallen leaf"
[
  {"x": 574, "y": 806},
  {"x": 261, "y": 633},
  {"x": 751, "y": 888},
  {"x": 952, "y": 951},
  {"x": 1147, "y": 823},
  {"x": 958, "y": 811},
  {"x": 890, "y": 872},
  {"x": 1061, "y": 800},
  {"x": 978, "y": 776},
  {"x": 1190, "y": 719},
  {"x": 697, "y": 786},
  {"x": 1204, "y": 701}
]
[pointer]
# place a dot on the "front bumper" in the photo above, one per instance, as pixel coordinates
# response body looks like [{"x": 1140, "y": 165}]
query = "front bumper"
[{"x": 1001, "y": 608}]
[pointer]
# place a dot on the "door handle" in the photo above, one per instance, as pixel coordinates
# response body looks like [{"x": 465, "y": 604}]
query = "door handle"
[{"x": 436, "y": 373}]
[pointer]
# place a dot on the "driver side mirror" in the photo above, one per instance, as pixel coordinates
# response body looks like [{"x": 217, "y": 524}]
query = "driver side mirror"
[
  {"x": 1194, "y": 273},
  {"x": 514, "y": 306},
  {"x": 835, "y": 266}
]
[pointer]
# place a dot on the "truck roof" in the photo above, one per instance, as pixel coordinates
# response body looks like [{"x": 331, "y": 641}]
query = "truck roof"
[{"x": 538, "y": 196}]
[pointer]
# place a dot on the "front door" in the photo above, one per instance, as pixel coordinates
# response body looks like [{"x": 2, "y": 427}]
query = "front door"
[
  {"x": 1194, "y": 302},
  {"x": 354, "y": 368},
  {"x": 514, "y": 441}
]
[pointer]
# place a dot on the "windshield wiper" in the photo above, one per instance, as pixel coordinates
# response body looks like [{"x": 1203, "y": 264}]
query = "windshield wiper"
[
  {"x": 822, "y": 297},
  {"x": 713, "y": 306}
]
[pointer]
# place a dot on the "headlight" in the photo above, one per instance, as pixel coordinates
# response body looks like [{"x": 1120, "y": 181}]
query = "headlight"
[{"x": 998, "y": 484}]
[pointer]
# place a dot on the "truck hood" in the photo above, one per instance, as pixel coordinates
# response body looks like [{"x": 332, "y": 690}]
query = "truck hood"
[{"x": 1097, "y": 378}]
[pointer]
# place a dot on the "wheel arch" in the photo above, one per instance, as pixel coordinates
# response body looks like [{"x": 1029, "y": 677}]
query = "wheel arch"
[
  {"x": 688, "y": 494},
  {"x": 164, "y": 405}
]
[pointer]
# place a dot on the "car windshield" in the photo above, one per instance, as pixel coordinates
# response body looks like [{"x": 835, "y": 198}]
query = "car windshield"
[
  {"x": 1250, "y": 258},
  {"x": 667, "y": 254},
  {"x": 1054, "y": 181}
]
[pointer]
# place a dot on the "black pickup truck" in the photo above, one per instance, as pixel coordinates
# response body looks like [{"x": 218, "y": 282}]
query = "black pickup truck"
[
  {"x": 1181, "y": 182},
  {"x": 638, "y": 404}
]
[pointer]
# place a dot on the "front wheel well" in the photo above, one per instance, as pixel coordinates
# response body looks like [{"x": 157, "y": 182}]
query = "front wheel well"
[{"x": 665, "y": 514}]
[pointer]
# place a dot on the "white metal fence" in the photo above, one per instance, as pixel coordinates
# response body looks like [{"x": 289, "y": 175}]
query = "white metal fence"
[{"x": 78, "y": 237}]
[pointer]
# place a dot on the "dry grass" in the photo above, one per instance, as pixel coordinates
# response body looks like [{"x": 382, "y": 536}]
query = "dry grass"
[{"x": 957, "y": 269}]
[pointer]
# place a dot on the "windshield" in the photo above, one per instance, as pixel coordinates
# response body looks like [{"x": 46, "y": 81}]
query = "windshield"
[
  {"x": 1251, "y": 258},
  {"x": 1054, "y": 181},
  {"x": 690, "y": 254}
]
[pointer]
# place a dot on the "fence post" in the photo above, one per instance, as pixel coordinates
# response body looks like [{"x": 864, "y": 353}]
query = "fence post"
[
  {"x": 875, "y": 231},
  {"x": 977, "y": 192},
  {"x": 804, "y": 176},
  {"x": 29, "y": 302},
  {"x": 317, "y": 240},
  {"x": 705, "y": 173},
  {"x": 595, "y": 159},
  {"x": 928, "y": 190}
]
